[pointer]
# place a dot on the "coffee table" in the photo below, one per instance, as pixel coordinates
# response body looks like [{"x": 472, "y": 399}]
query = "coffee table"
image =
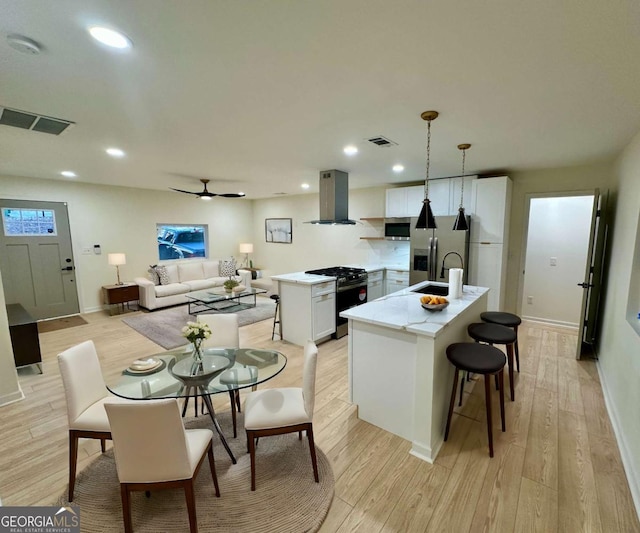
[{"x": 221, "y": 301}]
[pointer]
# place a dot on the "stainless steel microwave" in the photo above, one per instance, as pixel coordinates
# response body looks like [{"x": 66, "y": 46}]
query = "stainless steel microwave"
[{"x": 398, "y": 229}]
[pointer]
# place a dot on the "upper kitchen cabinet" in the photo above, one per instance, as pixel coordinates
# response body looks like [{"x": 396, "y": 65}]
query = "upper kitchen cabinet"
[
  {"x": 489, "y": 208},
  {"x": 443, "y": 193},
  {"x": 404, "y": 201}
]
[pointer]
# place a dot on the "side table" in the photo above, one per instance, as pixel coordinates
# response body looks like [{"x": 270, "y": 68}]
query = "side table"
[
  {"x": 23, "y": 331},
  {"x": 120, "y": 295}
]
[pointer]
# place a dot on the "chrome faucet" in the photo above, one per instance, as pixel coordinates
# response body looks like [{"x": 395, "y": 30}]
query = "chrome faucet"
[{"x": 444, "y": 259}]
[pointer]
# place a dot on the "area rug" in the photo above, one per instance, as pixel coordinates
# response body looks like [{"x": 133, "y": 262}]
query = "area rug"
[
  {"x": 163, "y": 327},
  {"x": 286, "y": 498},
  {"x": 55, "y": 324}
]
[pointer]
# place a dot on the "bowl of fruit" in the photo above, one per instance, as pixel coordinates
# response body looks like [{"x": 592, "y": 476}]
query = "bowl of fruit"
[{"x": 431, "y": 302}]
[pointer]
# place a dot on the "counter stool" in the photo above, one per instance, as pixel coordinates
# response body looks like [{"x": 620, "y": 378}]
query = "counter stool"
[
  {"x": 508, "y": 320},
  {"x": 479, "y": 359},
  {"x": 496, "y": 334},
  {"x": 276, "y": 317}
]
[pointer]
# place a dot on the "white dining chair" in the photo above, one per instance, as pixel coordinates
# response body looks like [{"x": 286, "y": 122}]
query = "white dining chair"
[
  {"x": 283, "y": 410},
  {"x": 225, "y": 333},
  {"x": 153, "y": 451},
  {"x": 86, "y": 394}
]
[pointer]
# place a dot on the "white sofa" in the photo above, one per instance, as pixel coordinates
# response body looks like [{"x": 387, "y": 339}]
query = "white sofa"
[{"x": 184, "y": 278}]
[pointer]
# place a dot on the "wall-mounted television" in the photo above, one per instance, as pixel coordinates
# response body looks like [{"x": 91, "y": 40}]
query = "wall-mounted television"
[{"x": 182, "y": 241}]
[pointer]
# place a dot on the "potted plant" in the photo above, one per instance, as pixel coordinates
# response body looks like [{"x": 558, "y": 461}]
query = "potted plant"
[{"x": 230, "y": 284}]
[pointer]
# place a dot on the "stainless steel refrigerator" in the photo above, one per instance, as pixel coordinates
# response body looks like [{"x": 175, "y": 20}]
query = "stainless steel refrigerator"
[{"x": 434, "y": 251}]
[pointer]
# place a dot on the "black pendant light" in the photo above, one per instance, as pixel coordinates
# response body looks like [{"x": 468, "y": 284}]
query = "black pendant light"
[
  {"x": 426, "y": 219},
  {"x": 460, "y": 223}
]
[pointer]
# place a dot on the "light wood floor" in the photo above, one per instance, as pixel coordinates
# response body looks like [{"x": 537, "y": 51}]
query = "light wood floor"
[{"x": 557, "y": 468}]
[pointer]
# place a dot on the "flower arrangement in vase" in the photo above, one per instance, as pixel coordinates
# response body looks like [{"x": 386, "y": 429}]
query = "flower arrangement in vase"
[{"x": 195, "y": 333}]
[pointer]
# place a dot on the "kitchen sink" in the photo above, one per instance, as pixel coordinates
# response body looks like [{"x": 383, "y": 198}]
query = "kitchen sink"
[{"x": 438, "y": 290}]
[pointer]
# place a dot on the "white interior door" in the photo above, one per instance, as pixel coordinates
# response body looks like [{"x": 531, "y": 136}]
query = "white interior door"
[{"x": 36, "y": 258}]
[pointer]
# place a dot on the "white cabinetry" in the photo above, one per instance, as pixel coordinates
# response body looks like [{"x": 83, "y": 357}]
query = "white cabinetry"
[
  {"x": 443, "y": 193},
  {"x": 396, "y": 280},
  {"x": 490, "y": 205},
  {"x": 307, "y": 311},
  {"x": 404, "y": 201},
  {"x": 375, "y": 285}
]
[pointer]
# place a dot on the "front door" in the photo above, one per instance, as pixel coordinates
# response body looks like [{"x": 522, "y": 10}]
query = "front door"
[
  {"x": 592, "y": 281},
  {"x": 36, "y": 258}
]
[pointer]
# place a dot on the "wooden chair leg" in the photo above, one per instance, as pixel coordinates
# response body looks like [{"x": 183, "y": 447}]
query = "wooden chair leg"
[
  {"x": 126, "y": 508},
  {"x": 312, "y": 449},
  {"x": 451, "y": 403},
  {"x": 73, "y": 459},
  {"x": 461, "y": 387},
  {"x": 501, "y": 380},
  {"x": 232, "y": 400},
  {"x": 517, "y": 350},
  {"x": 237, "y": 395},
  {"x": 487, "y": 396},
  {"x": 191, "y": 505},
  {"x": 252, "y": 453},
  {"x": 511, "y": 383},
  {"x": 185, "y": 405},
  {"x": 212, "y": 466}
]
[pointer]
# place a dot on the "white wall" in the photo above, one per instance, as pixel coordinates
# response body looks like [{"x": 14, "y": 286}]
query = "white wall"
[
  {"x": 558, "y": 228},
  {"x": 619, "y": 349},
  {"x": 124, "y": 219},
  {"x": 316, "y": 246}
]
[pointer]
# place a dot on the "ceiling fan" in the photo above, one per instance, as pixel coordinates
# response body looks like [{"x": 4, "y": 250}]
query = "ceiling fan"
[{"x": 206, "y": 195}]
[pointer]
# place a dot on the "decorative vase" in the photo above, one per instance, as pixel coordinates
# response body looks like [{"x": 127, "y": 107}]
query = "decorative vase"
[{"x": 197, "y": 350}]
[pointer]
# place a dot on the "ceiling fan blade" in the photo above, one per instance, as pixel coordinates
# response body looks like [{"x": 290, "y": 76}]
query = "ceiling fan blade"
[
  {"x": 231, "y": 195},
  {"x": 186, "y": 192}
]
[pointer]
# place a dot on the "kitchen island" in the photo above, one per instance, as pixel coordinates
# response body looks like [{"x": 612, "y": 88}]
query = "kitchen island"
[{"x": 399, "y": 375}]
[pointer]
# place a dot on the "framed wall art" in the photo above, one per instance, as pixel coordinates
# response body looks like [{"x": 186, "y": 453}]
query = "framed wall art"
[
  {"x": 278, "y": 230},
  {"x": 182, "y": 241}
]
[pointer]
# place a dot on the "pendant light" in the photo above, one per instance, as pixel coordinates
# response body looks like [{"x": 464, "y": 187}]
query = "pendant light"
[
  {"x": 426, "y": 219},
  {"x": 461, "y": 220}
]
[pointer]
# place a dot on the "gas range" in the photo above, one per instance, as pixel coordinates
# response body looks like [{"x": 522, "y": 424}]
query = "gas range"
[{"x": 345, "y": 276}]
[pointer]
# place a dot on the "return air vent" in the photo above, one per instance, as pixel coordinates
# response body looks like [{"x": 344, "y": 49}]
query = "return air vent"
[
  {"x": 33, "y": 121},
  {"x": 379, "y": 140}
]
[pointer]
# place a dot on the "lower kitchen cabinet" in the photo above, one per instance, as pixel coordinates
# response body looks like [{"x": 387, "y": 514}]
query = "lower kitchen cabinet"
[
  {"x": 375, "y": 285},
  {"x": 307, "y": 311},
  {"x": 396, "y": 280}
]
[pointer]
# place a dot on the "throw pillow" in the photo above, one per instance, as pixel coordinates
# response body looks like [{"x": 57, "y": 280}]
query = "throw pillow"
[
  {"x": 163, "y": 275},
  {"x": 228, "y": 268},
  {"x": 153, "y": 274}
]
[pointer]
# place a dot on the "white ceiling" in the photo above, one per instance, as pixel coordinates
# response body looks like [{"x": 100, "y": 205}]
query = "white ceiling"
[{"x": 260, "y": 95}]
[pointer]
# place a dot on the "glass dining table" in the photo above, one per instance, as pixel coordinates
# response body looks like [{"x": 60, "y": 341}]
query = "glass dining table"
[{"x": 176, "y": 374}]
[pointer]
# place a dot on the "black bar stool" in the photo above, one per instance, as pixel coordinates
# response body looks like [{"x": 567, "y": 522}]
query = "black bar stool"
[
  {"x": 508, "y": 320},
  {"x": 479, "y": 359},
  {"x": 276, "y": 317},
  {"x": 496, "y": 334}
]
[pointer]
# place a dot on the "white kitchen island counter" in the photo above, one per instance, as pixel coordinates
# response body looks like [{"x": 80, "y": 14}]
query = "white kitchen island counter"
[{"x": 399, "y": 375}]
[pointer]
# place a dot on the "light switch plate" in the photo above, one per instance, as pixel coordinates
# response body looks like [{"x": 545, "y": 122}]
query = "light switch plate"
[
  {"x": 87, "y": 250},
  {"x": 553, "y": 261}
]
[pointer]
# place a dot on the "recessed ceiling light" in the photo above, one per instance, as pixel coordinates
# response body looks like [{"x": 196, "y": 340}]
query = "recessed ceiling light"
[
  {"x": 305, "y": 185},
  {"x": 350, "y": 150},
  {"x": 68, "y": 174},
  {"x": 109, "y": 37},
  {"x": 397, "y": 168},
  {"x": 115, "y": 152}
]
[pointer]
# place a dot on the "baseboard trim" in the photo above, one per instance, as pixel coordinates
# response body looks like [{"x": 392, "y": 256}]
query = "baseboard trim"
[
  {"x": 554, "y": 323},
  {"x": 12, "y": 397},
  {"x": 626, "y": 456}
]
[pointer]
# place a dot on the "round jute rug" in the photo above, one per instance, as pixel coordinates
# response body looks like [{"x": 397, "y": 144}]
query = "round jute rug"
[{"x": 286, "y": 496}]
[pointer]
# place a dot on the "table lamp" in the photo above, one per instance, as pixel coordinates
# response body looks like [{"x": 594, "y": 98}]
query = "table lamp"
[
  {"x": 117, "y": 260},
  {"x": 246, "y": 248}
]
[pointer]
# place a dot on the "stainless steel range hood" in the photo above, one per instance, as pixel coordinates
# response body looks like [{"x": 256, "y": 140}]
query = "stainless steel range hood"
[{"x": 334, "y": 198}]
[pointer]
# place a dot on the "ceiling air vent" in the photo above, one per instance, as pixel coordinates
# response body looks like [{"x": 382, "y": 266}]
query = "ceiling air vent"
[
  {"x": 379, "y": 140},
  {"x": 33, "y": 121}
]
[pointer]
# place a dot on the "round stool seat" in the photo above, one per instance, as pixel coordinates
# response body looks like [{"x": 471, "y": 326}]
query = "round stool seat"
[
  {"x": 275, "y": 297},
  {"x": 493, "y": 333},
  {"x": 504, "y": 319},
  {"x": 476, "y": 358}
]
